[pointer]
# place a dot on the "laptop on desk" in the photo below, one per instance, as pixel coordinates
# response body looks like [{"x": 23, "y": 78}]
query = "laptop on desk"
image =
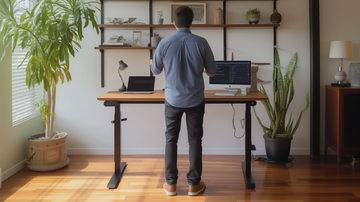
[{"x": 140, "y": 85}]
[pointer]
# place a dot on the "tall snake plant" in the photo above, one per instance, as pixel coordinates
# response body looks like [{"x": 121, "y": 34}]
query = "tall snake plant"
[{"x": 283, "y": 87}]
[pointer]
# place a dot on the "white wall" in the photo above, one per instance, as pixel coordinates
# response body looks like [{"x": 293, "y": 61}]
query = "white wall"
[
  {"x": 339, "y": 20},
  {"x": 87, "y": 121},
  {"x": 13, "y": 140}
]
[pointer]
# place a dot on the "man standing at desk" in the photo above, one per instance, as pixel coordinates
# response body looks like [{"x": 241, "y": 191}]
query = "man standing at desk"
[{"x": 183, "y": 56}]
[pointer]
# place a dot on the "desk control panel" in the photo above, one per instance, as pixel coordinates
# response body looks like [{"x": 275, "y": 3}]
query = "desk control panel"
[{"x": 110, "y": 103}]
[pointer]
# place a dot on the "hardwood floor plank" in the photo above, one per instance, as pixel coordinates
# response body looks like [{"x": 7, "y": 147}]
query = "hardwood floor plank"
[{"x": 306, "y": 179}]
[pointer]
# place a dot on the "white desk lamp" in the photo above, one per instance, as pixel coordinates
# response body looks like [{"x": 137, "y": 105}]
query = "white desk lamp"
[
  {"x": 341, "y": 49},
  {"x": 122, "y": 66}
]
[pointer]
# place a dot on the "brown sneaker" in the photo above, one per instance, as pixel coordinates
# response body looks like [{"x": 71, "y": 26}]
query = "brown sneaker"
[
  {"x": 169, "y": 189},
  {"x": 195, "y": 190}
]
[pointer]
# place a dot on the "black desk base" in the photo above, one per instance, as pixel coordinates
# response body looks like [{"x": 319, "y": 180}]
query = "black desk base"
[
  {"x": 120, "y": 166},
  {"x": 116, "y": 178},
  {"x": 250, "y": 183}
]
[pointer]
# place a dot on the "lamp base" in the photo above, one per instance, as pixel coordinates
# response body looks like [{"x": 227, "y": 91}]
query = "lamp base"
[
  {"x": 340, "y": 84},
  {"x": 123, "y": 88}
]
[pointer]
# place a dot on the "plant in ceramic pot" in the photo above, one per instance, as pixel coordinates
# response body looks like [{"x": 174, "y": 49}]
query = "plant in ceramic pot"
[
  {"x": 253, "y": 15},
  {"x": 283, "y": 94},
  {"x": 49, "y": 32},
  {"x": 160, "y": 19}
]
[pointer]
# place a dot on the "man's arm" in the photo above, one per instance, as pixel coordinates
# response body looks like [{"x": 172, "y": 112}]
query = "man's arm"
[
  {"x": 157, "y": 63},
  {"x": 210, "y": 75},
  {"x": 210, "y": 64}
]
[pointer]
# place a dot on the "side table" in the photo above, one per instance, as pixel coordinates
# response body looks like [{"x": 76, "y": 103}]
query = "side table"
[{"x": 342, "y": 120}]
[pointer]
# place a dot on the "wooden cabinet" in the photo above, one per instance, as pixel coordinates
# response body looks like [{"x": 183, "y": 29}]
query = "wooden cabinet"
[{"x": 342, "y": 120}]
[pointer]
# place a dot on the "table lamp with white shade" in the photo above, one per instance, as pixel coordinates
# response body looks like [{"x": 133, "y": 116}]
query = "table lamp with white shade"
[
  {"x": 122, "y": 66},
  {"x": 341, "y": 49}
]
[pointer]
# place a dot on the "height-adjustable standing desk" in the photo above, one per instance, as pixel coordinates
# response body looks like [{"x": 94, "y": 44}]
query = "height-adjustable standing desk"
[{"x": 115, "y": 98}]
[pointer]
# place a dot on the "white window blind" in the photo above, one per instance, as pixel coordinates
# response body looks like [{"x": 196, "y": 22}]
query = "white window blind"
[{"x": 23, "y": 99}]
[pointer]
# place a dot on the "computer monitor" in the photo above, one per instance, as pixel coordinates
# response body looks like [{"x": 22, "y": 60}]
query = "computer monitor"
[{"x": 232, "y": 75}]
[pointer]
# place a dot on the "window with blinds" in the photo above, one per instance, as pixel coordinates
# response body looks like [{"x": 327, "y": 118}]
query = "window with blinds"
[{"x": 23, "y": 99}]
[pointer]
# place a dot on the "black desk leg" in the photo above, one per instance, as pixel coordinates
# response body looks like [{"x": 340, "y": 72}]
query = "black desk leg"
[
  {"x": 119, "y": 166},
  {"x": 246, "y": 166}
]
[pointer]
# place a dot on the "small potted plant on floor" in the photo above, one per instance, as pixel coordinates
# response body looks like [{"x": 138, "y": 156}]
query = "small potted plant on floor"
[
  {"x": 279, "y": 134},
  {"x": 49, "y": 33},
  {"x": 160, "y": 19},
  {"x": 253, "y": 15}
]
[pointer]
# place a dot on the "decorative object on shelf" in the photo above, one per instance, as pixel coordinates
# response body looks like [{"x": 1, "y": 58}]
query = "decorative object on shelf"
[
  {"x": 218, "y": 16},
  {"x": 354, "y": 74},
  {"x": 160, "y": 19},
  {"x": 253, "y": 15},
  {"x": 341, "y": 49},
  {"x": 47, "y": 53},
  {"x": 115, "y": 40},
  {"x": 137, "y": 39},
  {"x": 199, "y": 10},
  {"x": 275, "y": 18},
  {"x": 283, "y": 90},
  {"x": 110, "y": 20},
  {"x": 122, "y": 66},
  {"x": 155, "y": 40},
  {"x": 120, "y": 20}
]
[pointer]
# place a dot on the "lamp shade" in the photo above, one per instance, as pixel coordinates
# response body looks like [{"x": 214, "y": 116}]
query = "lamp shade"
[
  {"x": 122, "y": 65},
  {"x": 341, "y": 49}
]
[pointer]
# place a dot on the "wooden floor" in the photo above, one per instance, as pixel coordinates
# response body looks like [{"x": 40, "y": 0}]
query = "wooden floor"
[{"x": 86, "y": 178}]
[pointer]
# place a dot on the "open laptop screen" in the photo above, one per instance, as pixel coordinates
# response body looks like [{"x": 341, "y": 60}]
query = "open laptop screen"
[{"x": 141, "y": 83}]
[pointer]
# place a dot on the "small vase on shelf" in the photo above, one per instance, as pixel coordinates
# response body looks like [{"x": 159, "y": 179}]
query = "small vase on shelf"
[
  {"x": 275, "y": 18},
  {"x": 218, "y": 16},
  {"x": 160, "y": 21}
]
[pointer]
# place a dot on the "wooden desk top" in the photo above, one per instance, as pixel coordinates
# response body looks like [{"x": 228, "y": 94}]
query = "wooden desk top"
[{"x": 158, "y": 96}]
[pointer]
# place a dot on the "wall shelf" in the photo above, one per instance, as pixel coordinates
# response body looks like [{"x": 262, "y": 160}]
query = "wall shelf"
[
  {"x": 190, "y": 0},
  {"x": 224, "y": 26},
  {"x": 120, "y": 47},
  {"x": 193, "y": 25}
]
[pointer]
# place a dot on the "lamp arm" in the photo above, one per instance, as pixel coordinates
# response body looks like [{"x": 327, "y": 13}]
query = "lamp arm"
[
  {"x": 123, "y": 87},
  {"x": 122, "y": 80}
]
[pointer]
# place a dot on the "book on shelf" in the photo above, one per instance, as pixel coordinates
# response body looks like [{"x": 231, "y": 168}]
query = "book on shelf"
[
  {"x": 119, "y": 44},
  {"x": 115, "y": 45}
]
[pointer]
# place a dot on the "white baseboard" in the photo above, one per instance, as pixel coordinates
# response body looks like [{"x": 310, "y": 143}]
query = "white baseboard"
[
  {"x": 206, "y": 151},
  {"x": 16, "y": 168}
]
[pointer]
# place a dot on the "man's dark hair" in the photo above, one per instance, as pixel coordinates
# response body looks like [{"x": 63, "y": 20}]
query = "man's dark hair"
[{"x": 183, "y": 16}]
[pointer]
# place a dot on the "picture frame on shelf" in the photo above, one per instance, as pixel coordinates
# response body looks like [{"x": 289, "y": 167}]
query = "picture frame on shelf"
[
  {"x": 136, "y": 38},
  {"x": 199, "y": 10}
]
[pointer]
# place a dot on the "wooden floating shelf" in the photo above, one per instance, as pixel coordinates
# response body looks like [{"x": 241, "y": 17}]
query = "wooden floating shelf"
[
  {"x": 194, "y": 25},
  {"x": 121, "y": 47},
  {"x": 189, "y": 0}
]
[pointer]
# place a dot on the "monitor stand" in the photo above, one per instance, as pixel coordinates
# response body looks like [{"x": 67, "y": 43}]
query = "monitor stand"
[
  {"x": 230, "y": 92},
  {"x": 233, "y": 92},
  {"x": 244, "y": 92}
]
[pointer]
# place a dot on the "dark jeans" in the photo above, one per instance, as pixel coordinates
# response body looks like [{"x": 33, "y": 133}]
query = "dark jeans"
[{"x": 194, "y": 123}]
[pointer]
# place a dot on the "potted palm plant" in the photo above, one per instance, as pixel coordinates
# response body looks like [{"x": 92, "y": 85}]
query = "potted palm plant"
[
  {"x": 279, "y": 135},
  {"x": 49, "y": 33}
]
